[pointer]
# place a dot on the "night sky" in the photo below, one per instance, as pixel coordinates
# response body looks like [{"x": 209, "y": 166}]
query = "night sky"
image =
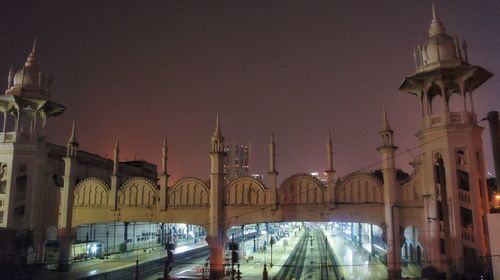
[{"x": 142, "y": 70}]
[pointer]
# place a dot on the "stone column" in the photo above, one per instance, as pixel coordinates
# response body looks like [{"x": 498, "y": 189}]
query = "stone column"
[
  {"x": 65, "y": 231},
  {"x": 216, "y": 247}
]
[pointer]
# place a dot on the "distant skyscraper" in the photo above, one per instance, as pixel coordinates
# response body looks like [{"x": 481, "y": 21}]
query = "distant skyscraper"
[{"x": 237, "y": 162}]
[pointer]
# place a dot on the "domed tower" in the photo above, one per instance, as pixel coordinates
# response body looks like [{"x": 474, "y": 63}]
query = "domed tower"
[
  {"x": 453, "y": 172},
  {"x": 25, "y": 108},
  {"x": 26, "y": 104}
]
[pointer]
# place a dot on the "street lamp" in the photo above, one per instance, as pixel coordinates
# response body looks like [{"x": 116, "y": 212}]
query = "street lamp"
[
  {"x": 107, "y": 241},
  {"x": 272, "y": 243}
]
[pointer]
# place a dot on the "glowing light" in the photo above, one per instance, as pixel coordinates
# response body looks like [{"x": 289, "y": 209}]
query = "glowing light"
[{"x": 93, "y": 249}]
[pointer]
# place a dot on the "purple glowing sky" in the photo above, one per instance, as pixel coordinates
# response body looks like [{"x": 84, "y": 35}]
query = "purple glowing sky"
[{"x": 142, "y": 70}]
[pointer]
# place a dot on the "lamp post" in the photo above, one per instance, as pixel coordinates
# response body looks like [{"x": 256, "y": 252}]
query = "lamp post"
[
  {"x": 170, "y": 256},
  {"x": 107, "y": 241},
  {"x": 271, "y": 242}
]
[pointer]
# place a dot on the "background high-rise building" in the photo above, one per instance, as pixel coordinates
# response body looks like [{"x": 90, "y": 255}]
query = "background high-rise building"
[{"x": 237, "y": 162}]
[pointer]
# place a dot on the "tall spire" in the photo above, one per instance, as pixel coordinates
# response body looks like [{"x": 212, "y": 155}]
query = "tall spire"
[
  {"x": 217, "y": 131},
  {"x": 437, "y": 26},
  {"x": 72, "y": 139},
  {"x": 386, "y": 134},
  {"x": 329, "y": 151},
  {"x": 217, "y": 138},
  {"x": 31, "y": 61},
  {"x": 10, "y": 78},
  {"x": 116, "y": 158},
  {"x": 164, "y": 156},
  {"x": 385, "y": 124},
  {"x": 72, "y": 145},
  {"x": 272, "y": 154}
]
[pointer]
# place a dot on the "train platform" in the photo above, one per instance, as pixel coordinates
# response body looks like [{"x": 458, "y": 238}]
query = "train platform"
[
  {"x": 252, "y": 265},
  {"x": 354, "y": 261},
  {"x": 94, "y": 267}
]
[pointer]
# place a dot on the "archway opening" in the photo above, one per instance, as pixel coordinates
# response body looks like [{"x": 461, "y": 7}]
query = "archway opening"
[
  {"x": 411, "y": 253},
  {"x": 340, "y": 249}
]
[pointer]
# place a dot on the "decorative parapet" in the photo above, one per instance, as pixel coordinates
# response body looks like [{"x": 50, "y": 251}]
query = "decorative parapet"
[
  {"x": 137, "y": 191},
  {"x": 359, "y": 188},
  {"x": 302, "y": 189},
  {"x": 190, "y": 192},
  {"x": 246, "y": 191},
  {"x": 91, "y": 191}
]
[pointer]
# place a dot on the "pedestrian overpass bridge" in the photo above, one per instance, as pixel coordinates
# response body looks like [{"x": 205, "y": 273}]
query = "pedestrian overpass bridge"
[
  {"x": 217, "y": 205},
  {"x": 357, "y": 197}
]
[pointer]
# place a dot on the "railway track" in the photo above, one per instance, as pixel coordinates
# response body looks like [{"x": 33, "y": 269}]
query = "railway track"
[
  {"x": 321, "y": 263},
  {"x": 329, "y": 268},
  {"x": 292, "y": 269}
]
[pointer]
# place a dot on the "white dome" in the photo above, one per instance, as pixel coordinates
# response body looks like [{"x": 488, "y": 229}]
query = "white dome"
[
  {"x": 440, "y": 47},
  {"x": 30, "y": 76}
]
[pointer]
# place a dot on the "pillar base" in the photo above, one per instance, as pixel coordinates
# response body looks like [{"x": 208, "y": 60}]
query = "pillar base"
[
  {"x": 217, "y": 274},
  {"x": 394, "y": 274}
]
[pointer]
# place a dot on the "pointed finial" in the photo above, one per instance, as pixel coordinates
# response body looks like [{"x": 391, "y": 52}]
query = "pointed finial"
[
  {"x": 329, "y": 151},
  {"x": 217, "y": 138},
  {"x": 10, "y": 77},
  {"x": 385, "y": 125},
  {"x": 217, "y": 131},
  {"x": 31, "y": 61},
  {"x": 272, "y": 154},
  {"x": 72, "y": 138},
  {"x": 434, "y": 15},
  {"x": 164, "y": 149},
  {"x": 436, "y": 25},
  {"x": 33, "y": 49},
  {"x": 116, "y": 158}
]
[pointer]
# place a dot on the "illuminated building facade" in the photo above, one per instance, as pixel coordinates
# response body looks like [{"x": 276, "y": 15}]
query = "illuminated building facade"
[
  {"x": 436, "y": 215},
  {"x": 32, "y": 169},
  {"x": 237, "y": 161}
]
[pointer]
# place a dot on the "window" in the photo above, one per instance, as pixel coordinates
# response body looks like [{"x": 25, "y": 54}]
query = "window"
[
  {"x": 478, "y": 160},
  {"x": 463, "y": 180},
  {"x": 3, "y": 187},
  {"x": 466, "y": 218},
  {"x": 461, "y": 158},
  {"x": 440, "y": 210},
  {"x": 21, "y": 183},
  {"x": 442, "y": 247}
]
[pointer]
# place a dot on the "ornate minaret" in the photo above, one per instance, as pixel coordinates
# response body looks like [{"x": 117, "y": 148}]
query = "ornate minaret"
[
  {"x": 272, "y": 173},
  {"x": 65, "y": 230},
  {"x": 330, "y": 172},
  {"x": 23, "y": 154},
  {"x": 216, "y": 237},
  {"x": 164, "y": 177},
  {"x": 115, "y": 177},
  {"x": 387, "y": 151},
  {"x": 453, "y": 135}
]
